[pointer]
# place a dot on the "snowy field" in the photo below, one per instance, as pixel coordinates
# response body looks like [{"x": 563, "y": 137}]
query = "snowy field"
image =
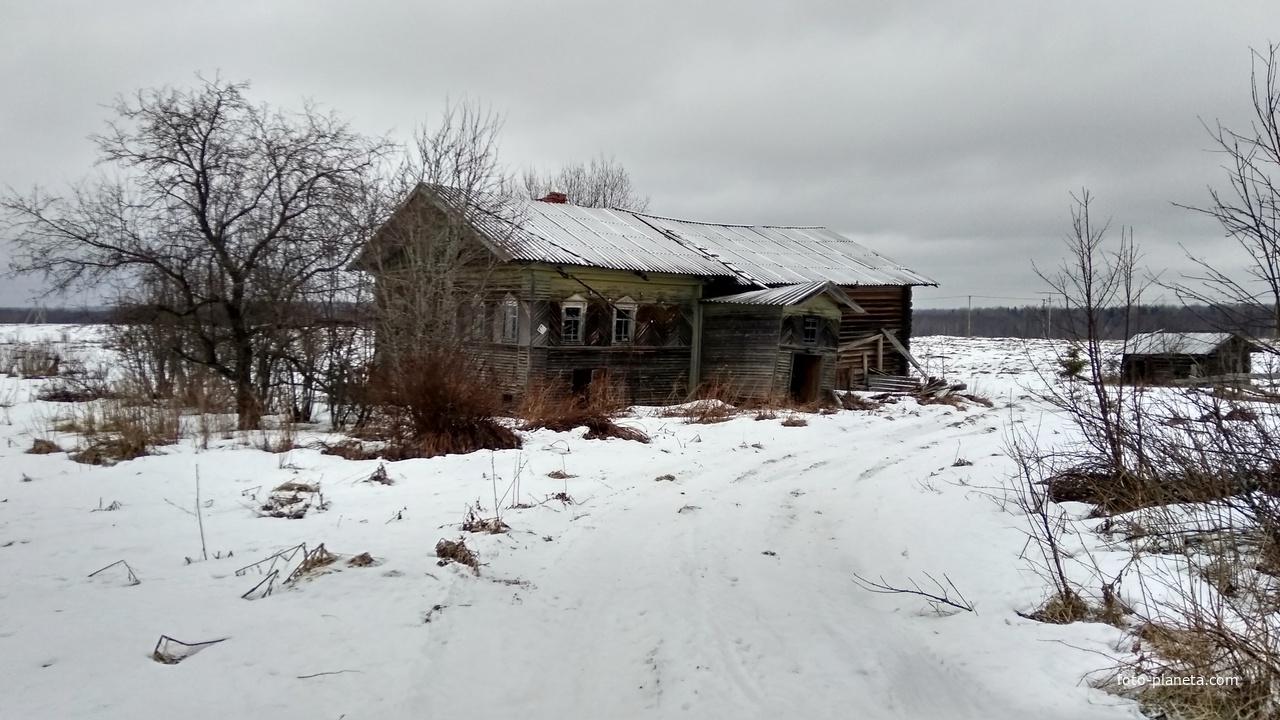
[{"x": 726, "y": 592}]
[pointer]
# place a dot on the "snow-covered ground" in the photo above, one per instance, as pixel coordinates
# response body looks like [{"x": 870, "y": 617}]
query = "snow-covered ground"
[{"x": 726, "y": 592}]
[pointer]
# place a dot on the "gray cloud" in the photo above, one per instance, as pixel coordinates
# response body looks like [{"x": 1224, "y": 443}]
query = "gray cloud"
[{"x": 948, "y": 135}]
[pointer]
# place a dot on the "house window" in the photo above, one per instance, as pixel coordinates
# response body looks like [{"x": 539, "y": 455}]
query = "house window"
[
  {"x": 571, "y": 325},
  {"x": 510, "y": 321},
  {"x": 811, "y": 330},
  {"x": 624, "y": 323}
]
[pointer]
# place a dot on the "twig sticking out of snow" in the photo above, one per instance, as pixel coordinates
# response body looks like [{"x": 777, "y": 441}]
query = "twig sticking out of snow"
[
  {"x": 133, "y": 579},
  {"x": 936, "y": 599},
  {"x": 332, "y": 672},
  {"x": 171, "y": 652}
]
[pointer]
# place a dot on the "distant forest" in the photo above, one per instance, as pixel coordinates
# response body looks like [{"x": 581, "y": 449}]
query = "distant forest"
[
  {"x": 1018, "y": 322},
  {"x": 74, "y": 316},
  {"x": 1042, "y": 322}
]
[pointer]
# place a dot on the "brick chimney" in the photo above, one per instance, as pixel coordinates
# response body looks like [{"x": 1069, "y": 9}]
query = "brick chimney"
[{"x": 555, "y": 197}]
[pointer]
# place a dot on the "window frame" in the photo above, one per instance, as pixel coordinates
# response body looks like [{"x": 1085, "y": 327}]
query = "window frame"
[
  {"x": 628, "y": 306},
  {"x": 805, "y": 329},
  {"x": 510, "y": 321},
  {"x": 574, "y": 303}
]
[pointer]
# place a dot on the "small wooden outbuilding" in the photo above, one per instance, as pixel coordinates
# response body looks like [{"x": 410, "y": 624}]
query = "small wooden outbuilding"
[
  {"x": 776, "y": 342},
  {"x": 1157, "y": 357}
]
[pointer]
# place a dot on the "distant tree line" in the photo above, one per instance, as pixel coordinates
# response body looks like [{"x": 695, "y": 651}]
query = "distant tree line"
[
  {"x": 1033, "y": 321},
  {"x": 61, "y": 316}
]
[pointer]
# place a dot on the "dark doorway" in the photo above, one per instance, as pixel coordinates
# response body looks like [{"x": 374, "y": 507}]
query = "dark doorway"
[
  {"x": 806, "y": 377},
  {"x": 581, "y": 380}
]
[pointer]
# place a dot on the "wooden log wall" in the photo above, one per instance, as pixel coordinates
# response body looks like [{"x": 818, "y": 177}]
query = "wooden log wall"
[{"x": 888, "y": 307}]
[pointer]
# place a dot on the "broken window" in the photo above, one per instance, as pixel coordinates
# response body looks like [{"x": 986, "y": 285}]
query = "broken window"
[
  {"x": 571, "y": 328},
  {"x": 811, "y": 324},
  {"x": 510, "y": 321},
  {"x": 624, "y": 321}
]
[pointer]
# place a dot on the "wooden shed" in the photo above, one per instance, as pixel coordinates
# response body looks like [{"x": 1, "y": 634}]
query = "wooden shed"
[
  {"x": 775, "y": 342},
  {"x": 1158, "y": 357},
  {"x": 654, "y": 305}
]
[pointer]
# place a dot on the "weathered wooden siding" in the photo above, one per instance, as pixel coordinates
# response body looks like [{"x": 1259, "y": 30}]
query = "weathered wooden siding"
[
  {"x": 646, "y": 376},
  {"x": 740, "y": 347},
  {"x": 653, "y": 368}
]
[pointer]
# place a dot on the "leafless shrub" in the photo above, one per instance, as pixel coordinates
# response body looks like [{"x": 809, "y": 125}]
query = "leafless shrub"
[
  {"x": 944, "y": 596},
  {"x": 77, "y": 383},
  {"x": 794, "y": 420},
  {"x": 438, "y": 403}
]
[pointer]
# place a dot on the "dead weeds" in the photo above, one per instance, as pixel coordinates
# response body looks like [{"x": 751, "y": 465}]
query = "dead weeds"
[{"x": 451, "y": 551}]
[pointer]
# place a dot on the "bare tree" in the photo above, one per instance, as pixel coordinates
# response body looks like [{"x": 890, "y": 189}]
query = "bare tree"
[
  {"x": 1249, "y": 209},
  {"x": 1093, "y": 282},
  {"x": 428, "y": 264},
  {"x": 601, "y": 183},
  {"x": 221, "y": 217}
]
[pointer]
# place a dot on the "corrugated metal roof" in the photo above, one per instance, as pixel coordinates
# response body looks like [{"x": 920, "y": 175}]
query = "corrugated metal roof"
[
  {"x": 1169, "y": 343},
  {"x": 621, "y": 240},
  {"x": 774, "y": 255},
  {"x": 789, "y": 295}
]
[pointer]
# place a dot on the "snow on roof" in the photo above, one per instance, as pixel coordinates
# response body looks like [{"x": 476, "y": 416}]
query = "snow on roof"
[
  {"x": 1169, "y": 343},
  {"x": 762, "y": 255},
  {"x": 790, "y": 295}
]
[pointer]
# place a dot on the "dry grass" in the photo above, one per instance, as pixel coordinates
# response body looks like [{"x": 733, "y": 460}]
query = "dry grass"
[
  {"x": 30, "y": 360},
  {"x": 362, "y": 560},
  {"x": 380, "y": 476},
  {"x": 553, "y": 407},
  {"x": 292, "y": 501},
  {"x": 348, "y": 449},
  {"x": 40, "y": 446},
  {"x": 451, "y": 551},
  {"x": 794, "y": 420},
  {"x": 1062, "y": 608},
  {"x": 119, "y": 429},
  {"x": 854, "y": 401},
  {"x": 474, "y": 522},
  {"x": 713, "y": 401}
]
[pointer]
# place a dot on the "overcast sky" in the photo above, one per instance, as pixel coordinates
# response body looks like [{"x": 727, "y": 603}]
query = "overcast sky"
[{"x": 947, "y": 135}]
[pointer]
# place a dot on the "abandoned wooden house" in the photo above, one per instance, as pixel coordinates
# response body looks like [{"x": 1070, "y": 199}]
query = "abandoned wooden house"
[
  {"x": 654, "y": 306},
  {"x": 1158, "y": 357}
]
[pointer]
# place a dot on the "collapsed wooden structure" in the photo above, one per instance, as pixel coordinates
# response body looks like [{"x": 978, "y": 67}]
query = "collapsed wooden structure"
[
  {"x": 1161, "y": 357},
  {"x": 654, "y": 306}
]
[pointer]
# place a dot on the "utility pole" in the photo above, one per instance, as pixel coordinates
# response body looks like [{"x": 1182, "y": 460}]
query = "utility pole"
[{"x": 968, "y": 318}]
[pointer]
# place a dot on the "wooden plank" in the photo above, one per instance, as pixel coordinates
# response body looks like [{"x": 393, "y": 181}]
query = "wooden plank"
[{"x": 898, "y": 346}]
